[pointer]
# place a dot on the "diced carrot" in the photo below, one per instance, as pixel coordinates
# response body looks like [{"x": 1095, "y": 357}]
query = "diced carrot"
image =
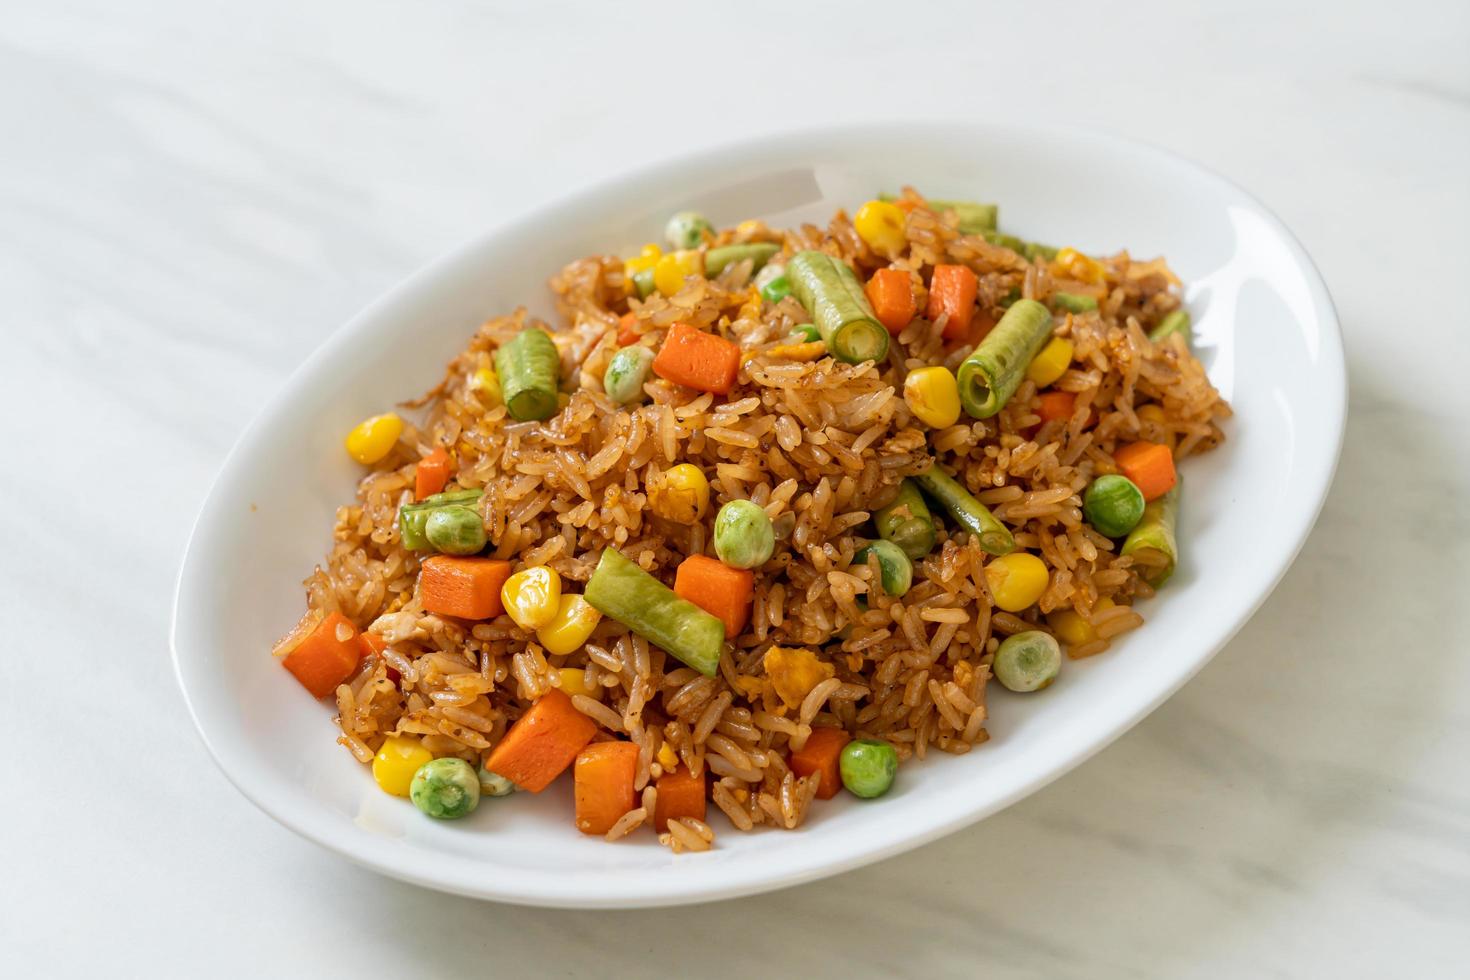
[
  {"x": 431, "y": 474},
  {"x": 820, "y": 754},
  {"x": 545, "y": 740},
  {"x": 626, "y": 334},
  {"x": 468, "y": 588},
  {"x": 1150, "y": 465},
  {"x": 371, "y": 644},
  {"x": 891, "y": 292},
  {"x": 952, "y": 290},
  {"x": 679, "y": 795},
  {"x": 697, "y": 359},
  {"x": 327, "y": 657},
  {"x": 1056, "y": 405},
  {"x": 718, "y": 589},
  {"x": 981, "y": 325},
  {"x": 603, "y": 778}
]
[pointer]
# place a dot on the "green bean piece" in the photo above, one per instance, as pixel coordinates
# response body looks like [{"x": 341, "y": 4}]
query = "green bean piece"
[
  {"x": 868, "y": 766},
  {"x": 528, "y": 368},
  {"x": 626, "y": 373},
  {"x": 1036, "y": 250},
  {"x": 716, "y": 260},
  {"x": 445, "y": 789},
  {"x": 622, "y": 590},
  {"x": 1027, "y": 661},
  {"x": 1073, "y": 302},
  {"x": 1153, "y": 542},
  {"x": 686, "y": 229},
  {"x": 831, "y": 293},
  {"x": 907, "y": 522},
  {"x": 1113, "y": 505},
  {"x": 975, "y": 219},
  {"x": 643, "y": 282},
  {"x": 1174, "y": 322},
  {"x": 995, "y": 538},
  {"x": 455, "y": 530},
  {"x": 413, "y": 519},
  {"x": 994, "y": 370},
  {"x": 494, "y": 784},
  {"x": 744, "y": 537},
  {"x": 895, "y": 571}
]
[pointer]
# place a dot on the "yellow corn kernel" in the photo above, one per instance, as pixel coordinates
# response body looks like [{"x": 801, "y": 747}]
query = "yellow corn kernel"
[
  {"x": 574, "y": 682},
  {"x": 682, "y": 495},
  {"x": 1073, "y": 264},
  {"x": 1016, "y": 580},
  {"x": 575, "y": 620},
  {"x": 397, "y": 761},
  {"x": 749, "y": 228},
  {"x": 1071, "y": 628},
  {"x": 486, "y": 386},
  {"x": 933, "y": 395},
  {"x": 374, "y": 438},
  {"x": 646, "y": 259},
  {"x": 1053, "y": 361},
  {"x": 881, "y": 225},
  {"x": 532, "y": 597},
  {"x": 667, "y": 757},
  {"x": 671, "y": 270}
]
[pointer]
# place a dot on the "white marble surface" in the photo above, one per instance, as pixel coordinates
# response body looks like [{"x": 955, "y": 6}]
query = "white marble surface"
[{"x": 193, "y": 195}]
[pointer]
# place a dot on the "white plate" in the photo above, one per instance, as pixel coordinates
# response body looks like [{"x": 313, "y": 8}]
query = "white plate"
[{"x": 1266, "y": 329}]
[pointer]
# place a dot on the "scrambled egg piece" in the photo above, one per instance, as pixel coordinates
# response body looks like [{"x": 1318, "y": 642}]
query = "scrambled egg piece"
[{"x": 793, "y": 673}]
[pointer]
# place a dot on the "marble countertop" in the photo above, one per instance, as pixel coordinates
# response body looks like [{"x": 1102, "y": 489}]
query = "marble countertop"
[{"x": 192, "y": 196}]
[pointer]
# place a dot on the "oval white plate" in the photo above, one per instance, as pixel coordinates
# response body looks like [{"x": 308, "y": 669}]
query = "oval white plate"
[{"x": 1266, "y": 329}]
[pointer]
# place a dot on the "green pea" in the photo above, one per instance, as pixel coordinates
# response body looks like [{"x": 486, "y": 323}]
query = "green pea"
[
  {"x": 1113, "y": 505},
  {"x": 868, "y": 766},
  {"x": 744, "y": 537},
  {"x": 455, "y": 530},
  {"x": 774, "y": 285},
  {"x": 805, "y": 333},
  {"x": 494, "y": 784},
  {"x": 445, "y": 789},
  {"x": 1027, "y": 661},
  {"x": 686, "y": 229},
  {"x": 895, "y": 570},
  {"x": 626, "y": 373}
]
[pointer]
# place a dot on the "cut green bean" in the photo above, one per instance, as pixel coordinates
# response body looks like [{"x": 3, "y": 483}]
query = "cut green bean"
[
  {"x": 626, "y": 373},
  {"x": 1175, "y": 322},
  {"x": 1152, "y": 543},
  {"x": 831, "y": 293},
  {"x": 975, "y": 218},
  {"x": 1027, "y": 661},
  {"x": 992, "y": 373},
  {"x": 528, "y": 368},
  {"x": 805, "y": 333},
  {"x": 413, "y": 519},
  {"x": 455, "y": 530},
  {"x": 907, "y": 522},
  {"x": 622, "y": 590},
  {"x": 994, "y": 537},
  {"x": 1030, "y": 250},
  {"x": 717, "y": 259},
  {"x": 1073, "y": 302},
  {"x": 895, "y": 571}
]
